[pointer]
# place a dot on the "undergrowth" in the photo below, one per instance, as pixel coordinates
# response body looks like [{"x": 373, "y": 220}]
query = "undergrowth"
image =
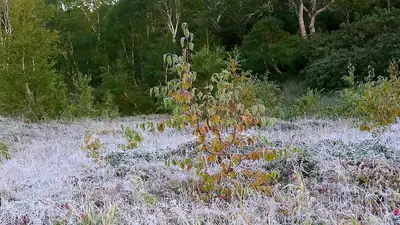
[{"x": 375, "y": 100}]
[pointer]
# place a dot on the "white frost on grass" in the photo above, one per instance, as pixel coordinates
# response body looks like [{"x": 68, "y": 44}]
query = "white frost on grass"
[{"x": 48, "y": 169}]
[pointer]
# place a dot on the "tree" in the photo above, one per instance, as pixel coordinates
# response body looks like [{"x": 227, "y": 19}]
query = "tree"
[
  {"x": 29, "y": 85},
  {"x": 171, "y": 11},
  {"x": 313, "y": 8},
  {"x": 347, "y": 7},
  {"x": 5, "y": 23},
  {"x": 269, "y": 48}
]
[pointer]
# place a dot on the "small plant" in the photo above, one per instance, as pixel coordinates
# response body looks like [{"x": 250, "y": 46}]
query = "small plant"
[
  {"x": 107, "y": 108},
  {"x": 141, "y": 192},
  {"x": 219, "y": 120},
  {"x": 92, "y": 215},
  {"x": 306, "y": 105},
  {"x": 133, "y": 138},
  {"x": 4, "y": 151},
  {"x": 268, "y": 94},
  {"x": 82, "y": 99},
  {"x": 92, "y": 145}
]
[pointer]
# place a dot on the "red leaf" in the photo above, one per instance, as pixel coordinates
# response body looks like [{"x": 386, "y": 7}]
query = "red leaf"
[
  {"x": 221, "y": 197},
  {"x": 396, "y": 212}
]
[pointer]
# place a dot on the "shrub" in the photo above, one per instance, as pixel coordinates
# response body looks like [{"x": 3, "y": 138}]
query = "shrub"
[
  {"x": 81, "y": 97},
  {"x": 270, "y": 95},
  {"x": 207, "y": 62},
  {"x": 107, "y": 107},
  {"x": 91, "y": 145},
  {"x": 219, "y": 120},
  {"x": 375, "y": 100},
  {"x": 128, "y": 97},
  {"x": 371, "y": 41},
  {"x": 308, "y": 104},
  {"x": 132, "y": 137}
]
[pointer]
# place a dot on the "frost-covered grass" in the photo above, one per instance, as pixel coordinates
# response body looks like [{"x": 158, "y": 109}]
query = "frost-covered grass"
[{"x": 347, "y": 176}]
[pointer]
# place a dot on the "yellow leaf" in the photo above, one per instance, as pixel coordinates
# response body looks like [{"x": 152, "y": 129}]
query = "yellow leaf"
[
  {"x": 212, "y": 158},
  {"x": 236, "y": 158},
  {"x": 202, "y": 138},
  {"x": 185, "y": 108},
  {"x": 216, "y": 145},
  {"x": 215, "y": 119}
]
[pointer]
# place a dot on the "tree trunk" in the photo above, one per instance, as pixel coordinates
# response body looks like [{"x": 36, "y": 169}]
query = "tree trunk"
[
  {"x": 312, "y": 25},
  {"x": 313, "y": 12},
  {"x": 302, "y": 26}
]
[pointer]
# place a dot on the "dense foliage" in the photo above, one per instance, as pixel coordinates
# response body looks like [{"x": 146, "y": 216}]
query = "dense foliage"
[{"x": 110, "y": 50}]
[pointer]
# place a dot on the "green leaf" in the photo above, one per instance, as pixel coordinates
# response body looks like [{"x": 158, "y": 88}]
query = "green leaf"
[
  {"x": 254, "y": 110},
  {"x": 186, "y": 33},
  {"x": 156, "y": 91},
  {"x": 163, "y": 91},
  {"x": 261, "y": 109},
  {"x": 160, "y": 127},
  {"x": 137, "y": 137},
  {"x": 187, "y": 161},
  {"x": 183, "y": 42},
  {"x": 142, "y": 126},
  {"x": 194, "y": 76},
  {"x": 169, "y": 60},
  {"x": 266, "y": 141},
  {"x": 184, "y": 26},
  {"x": 191, "y": 46},
  {"x": 168, "y": 123},
  {"x": 165, "y": 58},
  {"x": 179, "y": 69},
  {"x": 199, "y": 95},
  {"x": 191, "y": 37}
]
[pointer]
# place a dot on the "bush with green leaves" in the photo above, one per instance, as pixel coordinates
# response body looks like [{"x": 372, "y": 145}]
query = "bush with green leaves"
[
  {"x": 269, "y": 94},
  {"x": 107, "y": 107},
  {"x": 92, "y": 145},
  {"x": 132, "y": 137},
  {"x": 373, "y": 41},
  {"x": 81, "y": 97},
  {"x": 375, "y": 100},
  {"x": 206, "y": 62},
  {"x": 219, "y": 120},
  {"x": 309, "y": 104},
  {"x": 269, "y": 48},
  {"x": 127, "y": 97}
]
